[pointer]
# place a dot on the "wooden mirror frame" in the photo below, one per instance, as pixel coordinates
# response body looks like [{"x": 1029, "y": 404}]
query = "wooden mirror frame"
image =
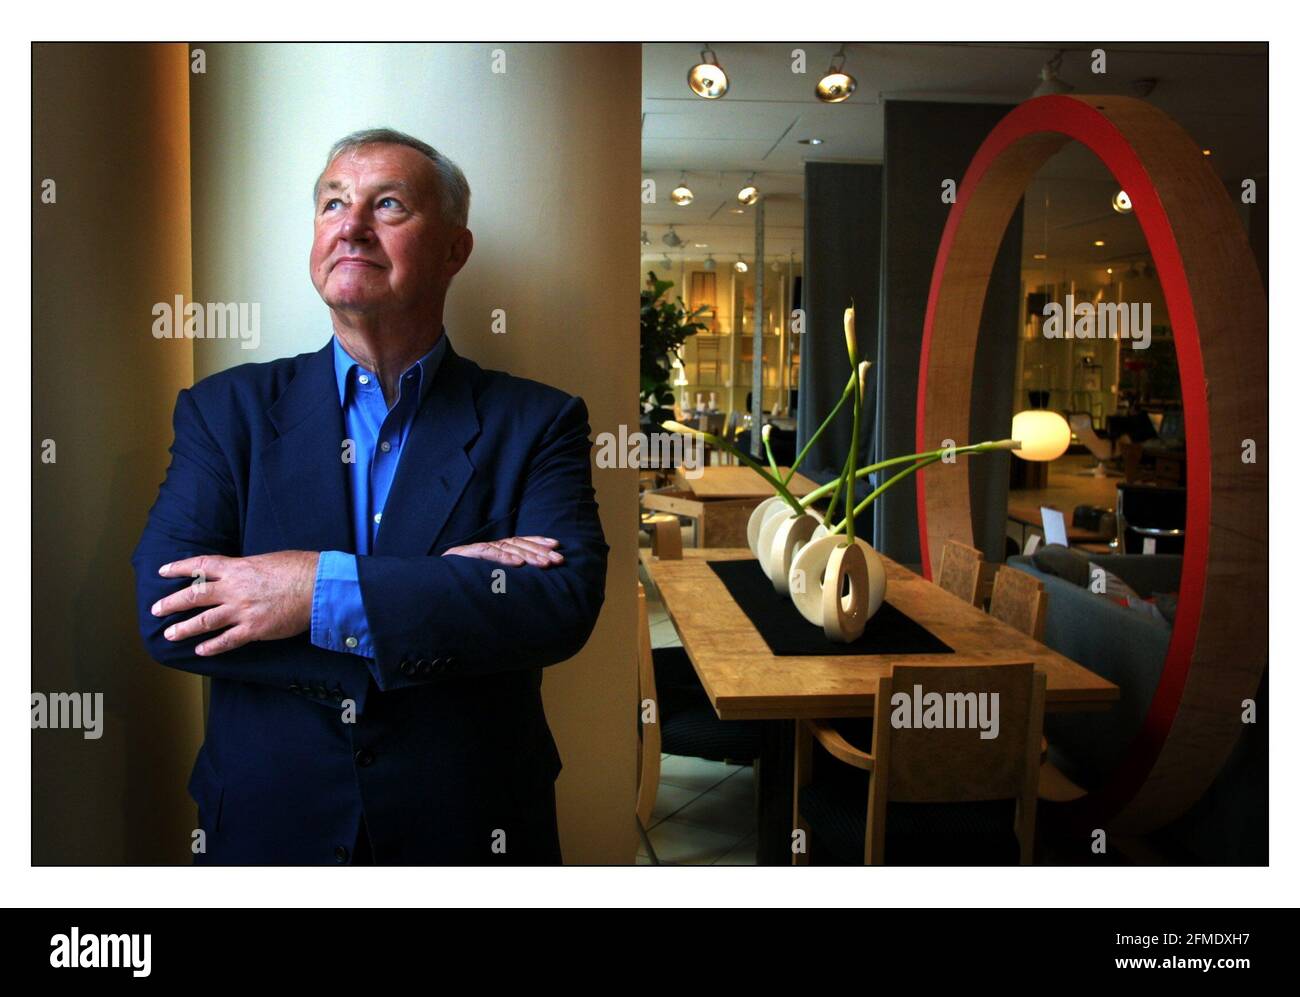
[{"x": 1219, "y": 314}]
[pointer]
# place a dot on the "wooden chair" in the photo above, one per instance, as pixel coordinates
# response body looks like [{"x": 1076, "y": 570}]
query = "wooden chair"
[
  {"x": 948, "y": 788},
  {"x": 1019, "y": 601},
  {"x": 959, "y": 571},
  {"x": 674, "y": 715}
]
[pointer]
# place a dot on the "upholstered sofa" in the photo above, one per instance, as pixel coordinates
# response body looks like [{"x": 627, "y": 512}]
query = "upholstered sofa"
[{"x": 1120, "y": 644}]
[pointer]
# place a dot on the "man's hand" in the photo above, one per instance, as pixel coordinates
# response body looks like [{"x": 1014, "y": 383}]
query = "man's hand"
[
  {"x": 537, "y": 551},
  {"x": 265, "y": 597}
]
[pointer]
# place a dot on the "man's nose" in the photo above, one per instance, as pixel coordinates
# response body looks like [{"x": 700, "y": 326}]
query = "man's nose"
[{"x": 356, "y": 225}]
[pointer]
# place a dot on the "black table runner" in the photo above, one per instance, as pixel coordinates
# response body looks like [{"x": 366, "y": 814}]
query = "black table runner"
[{"x": 890, "y": 631}]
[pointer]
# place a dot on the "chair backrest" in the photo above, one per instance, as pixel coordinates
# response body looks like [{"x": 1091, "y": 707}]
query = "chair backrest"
[
  {"x": 648, "y": 747},
  {"x": 1150, "y": 511},
  {"x": 1019, "y": 601},
  {"x": 952, "y": 764},
  {"x": 959, "y": 570}
]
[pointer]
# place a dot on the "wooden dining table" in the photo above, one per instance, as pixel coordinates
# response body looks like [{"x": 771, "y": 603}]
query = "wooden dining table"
[{"x": 746, "y": 681}]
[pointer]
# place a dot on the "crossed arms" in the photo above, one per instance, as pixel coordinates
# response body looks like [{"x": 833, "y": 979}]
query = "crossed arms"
[{"x": 421, "y": 609}]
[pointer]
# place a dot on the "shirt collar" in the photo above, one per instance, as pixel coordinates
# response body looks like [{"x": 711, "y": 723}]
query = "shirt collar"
[{"x": 425, "y": 369}]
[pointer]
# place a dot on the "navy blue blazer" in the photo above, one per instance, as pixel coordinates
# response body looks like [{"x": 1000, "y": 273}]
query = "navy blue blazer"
[{"x": 450, "y": 758}]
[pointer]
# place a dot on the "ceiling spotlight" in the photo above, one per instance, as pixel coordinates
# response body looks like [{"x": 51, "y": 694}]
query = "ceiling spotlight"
[
  {"x": 1040, "y": 256},
  {"x": 737, "y": 211},
  {"x": 682, "y": 195},
  {"x": 1099, "y": 242},
  {"x": 1049, "y": 82},
  {"x": 811, "y": 141},
  {"x": 671, "y": 238},
  {"x": 836, "y": 85},
  {"x": 741, "y": 265},
  {"x": 748, "y": 194},
  {"x": 1121, "y": 202},
  {"x": 707, "y": 79},
  {"x": 710, "y": 263},
  {"x": 1205, "y": 152},
  {"x": 1110, "y": 269}
]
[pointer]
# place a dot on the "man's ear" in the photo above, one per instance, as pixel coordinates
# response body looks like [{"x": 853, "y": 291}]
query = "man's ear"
[{"x": 458, "y": 252}]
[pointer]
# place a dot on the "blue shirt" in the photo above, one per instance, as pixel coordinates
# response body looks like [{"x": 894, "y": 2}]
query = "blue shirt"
[{"x": 377, "y": 434}]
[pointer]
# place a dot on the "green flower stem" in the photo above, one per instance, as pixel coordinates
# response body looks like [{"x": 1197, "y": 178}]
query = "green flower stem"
[
  {"x": 844, "y": 397},
  {"x": 851, "y": 478},
  {"x": 749, "y": 462},
  {"x": 832, "y": 486},
  {"x": 846, "y": 523},
  {"x": 839, "y": 482}
]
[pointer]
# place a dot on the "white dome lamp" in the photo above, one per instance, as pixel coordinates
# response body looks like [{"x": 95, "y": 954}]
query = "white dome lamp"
[{"x": 1042, "y": 435}]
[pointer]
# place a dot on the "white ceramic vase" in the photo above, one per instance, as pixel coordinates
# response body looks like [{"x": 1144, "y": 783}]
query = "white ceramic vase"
[
  {"x": 767, "y": 507},
  {"x": 816, "y": 583}
]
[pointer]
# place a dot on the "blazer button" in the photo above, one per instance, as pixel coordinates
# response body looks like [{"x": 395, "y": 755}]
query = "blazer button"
[
  {"x": 364, "y": 757},
  {"x": 445, "y": 662},
  {"x": 408, "y": 667},
  {"x": 424, "y": 666},
  {"x": 340, "y": 854}
]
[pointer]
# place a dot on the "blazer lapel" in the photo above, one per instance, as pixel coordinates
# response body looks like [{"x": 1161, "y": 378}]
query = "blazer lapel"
[
  {"x": 434, "y": 468},
  {"x": 303, "y": 467}
]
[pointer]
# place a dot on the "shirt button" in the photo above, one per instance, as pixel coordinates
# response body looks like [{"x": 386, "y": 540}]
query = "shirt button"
[
  {"x": 378, "y": 516},
  {"x": 385, "y": 446},
  {"x": 351, "y": 642},
  {"x": 363, "y": 379}
]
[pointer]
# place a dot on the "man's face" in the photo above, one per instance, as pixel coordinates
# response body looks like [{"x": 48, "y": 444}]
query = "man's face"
[{"x": 380, "y": 242}]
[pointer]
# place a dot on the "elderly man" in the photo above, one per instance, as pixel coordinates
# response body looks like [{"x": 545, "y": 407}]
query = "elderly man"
[{"x": 374, "y": 550}]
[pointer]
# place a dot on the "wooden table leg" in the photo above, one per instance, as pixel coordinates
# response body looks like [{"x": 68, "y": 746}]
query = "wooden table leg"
[{"x": 775, "y": 777}]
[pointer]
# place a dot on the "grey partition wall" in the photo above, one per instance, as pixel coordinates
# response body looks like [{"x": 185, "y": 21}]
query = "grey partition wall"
[
  {"x": 842, "y": 264},
  {"x": 927, "y": 143}
]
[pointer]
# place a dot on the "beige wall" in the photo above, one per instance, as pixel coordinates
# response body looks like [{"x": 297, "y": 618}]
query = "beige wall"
[
  {"x": 551, "y": 149},
  {"x": 111, "y": 129}
]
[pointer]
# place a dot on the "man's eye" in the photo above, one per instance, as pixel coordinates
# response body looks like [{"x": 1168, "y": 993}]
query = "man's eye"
[
  {"x": 390, "y": 202},
  {"x": 329, "y": 204}
]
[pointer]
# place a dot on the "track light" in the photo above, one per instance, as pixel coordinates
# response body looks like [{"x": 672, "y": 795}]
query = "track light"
[
  {"x": 671, "y": 238},
  {"x": 741, "y": 266},
  {"x": 682, "y": 195},
  {"x": 748, "y": 194},
  {"x": 836, "y": 85},
  {"x": 1121, "y": 202},
  {"x": 1049, "y": 82},
  {"x": 707, "y": 79},
  {"x": 710, "y": 263}
]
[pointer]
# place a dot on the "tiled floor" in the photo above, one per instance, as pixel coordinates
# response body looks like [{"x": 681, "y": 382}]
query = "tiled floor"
[{"x": 704, "y": 812}]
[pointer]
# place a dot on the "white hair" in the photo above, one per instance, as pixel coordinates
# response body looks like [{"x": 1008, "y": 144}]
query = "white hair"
[{"x": 453, "y": 188}]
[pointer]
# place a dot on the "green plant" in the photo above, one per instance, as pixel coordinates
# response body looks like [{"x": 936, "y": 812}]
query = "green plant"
[{"x": 665, "y": 326}]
